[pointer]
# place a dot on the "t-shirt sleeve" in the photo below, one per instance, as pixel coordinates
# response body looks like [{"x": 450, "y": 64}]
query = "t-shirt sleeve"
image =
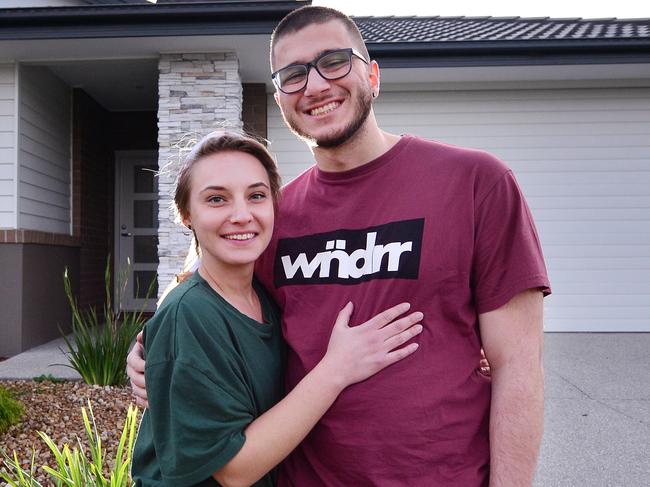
[
  {"x": 197, "y": 414},
  {"x": 508, "y": 256}
]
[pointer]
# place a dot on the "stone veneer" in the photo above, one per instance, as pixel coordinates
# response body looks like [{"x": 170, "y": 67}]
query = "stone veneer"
[{"x": 198, "y": 93}]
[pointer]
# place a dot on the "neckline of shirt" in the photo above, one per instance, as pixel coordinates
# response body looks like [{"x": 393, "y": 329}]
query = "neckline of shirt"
[
  {"x": 382, "y": 160},
  {"x": 265, "y": 328}
]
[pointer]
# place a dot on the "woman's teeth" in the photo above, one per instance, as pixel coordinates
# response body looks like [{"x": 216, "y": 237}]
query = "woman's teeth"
[{"x": 239, "y": 236}]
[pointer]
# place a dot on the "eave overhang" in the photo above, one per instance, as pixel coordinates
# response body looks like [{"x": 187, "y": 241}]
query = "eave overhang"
[{"x": 509, "y": 52}]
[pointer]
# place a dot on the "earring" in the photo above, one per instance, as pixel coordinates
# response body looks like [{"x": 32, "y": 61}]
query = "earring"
[
  {"x": 374, "y": 95},
  {"x": 189, "y": 226}
]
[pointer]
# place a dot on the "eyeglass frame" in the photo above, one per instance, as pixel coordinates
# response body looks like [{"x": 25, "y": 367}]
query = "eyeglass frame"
[{"x": 314, "y": 64}]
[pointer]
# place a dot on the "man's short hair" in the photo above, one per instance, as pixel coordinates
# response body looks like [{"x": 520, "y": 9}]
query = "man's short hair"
[{"x": 308, "y": 15}]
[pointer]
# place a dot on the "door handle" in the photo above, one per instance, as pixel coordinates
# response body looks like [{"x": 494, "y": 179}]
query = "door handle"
[{"x": 126, "y": 234}]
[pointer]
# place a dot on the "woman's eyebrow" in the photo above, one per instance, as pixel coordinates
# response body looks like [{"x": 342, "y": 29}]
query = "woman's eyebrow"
[
  {"x": 213, "y": 188},
  {"x": 258, "y": 185}
]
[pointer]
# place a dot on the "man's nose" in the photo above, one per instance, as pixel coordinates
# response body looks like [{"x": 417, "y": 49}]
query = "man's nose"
[{"x": 316, "y": 84}]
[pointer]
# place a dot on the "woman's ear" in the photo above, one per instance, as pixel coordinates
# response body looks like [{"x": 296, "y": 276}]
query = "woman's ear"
[{"x": 187, "y": 221}]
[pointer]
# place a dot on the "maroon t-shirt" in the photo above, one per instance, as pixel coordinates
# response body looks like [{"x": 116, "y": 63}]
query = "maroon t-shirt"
[{"x": 442, "y": 227}]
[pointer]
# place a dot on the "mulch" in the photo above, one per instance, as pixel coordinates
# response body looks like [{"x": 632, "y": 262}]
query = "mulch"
[{"x": 55, "y": 409}]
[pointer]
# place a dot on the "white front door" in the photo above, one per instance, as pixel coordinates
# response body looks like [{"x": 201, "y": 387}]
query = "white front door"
[{"x": 136, "y": 229}]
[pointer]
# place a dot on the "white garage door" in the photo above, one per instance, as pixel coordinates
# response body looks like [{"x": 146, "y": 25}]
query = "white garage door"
[{"x": 582, "y": 157}]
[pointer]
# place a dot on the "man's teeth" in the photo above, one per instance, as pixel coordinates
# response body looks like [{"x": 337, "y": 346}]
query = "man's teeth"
[
  {"x": 325, "y": 108},
  {"x": 239, "y": 236}
]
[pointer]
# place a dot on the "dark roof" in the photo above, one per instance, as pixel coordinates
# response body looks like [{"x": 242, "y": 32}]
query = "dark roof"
[
  {"x": 395, "y": 41},
  {"x": 444, "y": 29},
  {"x": 474, "y": 41}
]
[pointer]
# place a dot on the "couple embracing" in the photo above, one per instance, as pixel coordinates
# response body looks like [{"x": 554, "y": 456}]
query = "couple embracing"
[{"x": 427, "y": 252}]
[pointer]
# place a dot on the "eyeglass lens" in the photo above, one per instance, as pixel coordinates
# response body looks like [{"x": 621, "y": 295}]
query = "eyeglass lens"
[{"x": 331, "y": 66}]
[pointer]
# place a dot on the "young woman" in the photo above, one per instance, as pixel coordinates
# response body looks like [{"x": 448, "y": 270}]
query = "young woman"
[{"x": 214, "y": 350}]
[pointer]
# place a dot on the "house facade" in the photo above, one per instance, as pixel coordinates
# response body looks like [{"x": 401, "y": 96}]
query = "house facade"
[{"x": 98, "y": 100}]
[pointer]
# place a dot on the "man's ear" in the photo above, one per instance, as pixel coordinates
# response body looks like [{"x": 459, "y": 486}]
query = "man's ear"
[
  {"x": 276, "y": 97},
  {"x": 374, "y": 76}
]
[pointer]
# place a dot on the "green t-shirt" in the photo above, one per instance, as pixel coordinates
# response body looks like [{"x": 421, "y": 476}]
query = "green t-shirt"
[{"x": 210, "y": 371}]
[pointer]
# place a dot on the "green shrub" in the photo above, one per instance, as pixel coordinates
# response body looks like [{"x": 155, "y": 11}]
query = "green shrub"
[
  {"x": 98, "y": 349},
  {"x": 74, "y": 466},
  {"x": 10, "y": 410}
]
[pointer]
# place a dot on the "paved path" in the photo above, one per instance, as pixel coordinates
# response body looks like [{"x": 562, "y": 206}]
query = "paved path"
[
  {"x": 597, "y": 421},
  {"x": 39, "y": 361}
]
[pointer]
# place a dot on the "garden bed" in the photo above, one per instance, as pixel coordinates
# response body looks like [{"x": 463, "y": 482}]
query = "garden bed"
[{"x": 55, "y": 409}]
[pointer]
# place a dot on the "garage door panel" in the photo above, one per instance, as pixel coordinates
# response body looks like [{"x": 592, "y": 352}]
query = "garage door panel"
[
  {"x": 443, "y": 129},
  {"x": 603, "y": 189},
  {"x": 495, "y": 102},
  {"x": 559, "y": 143},
  {"x": 595, "y": 227},
  {"x": 630, "y": 276},
  {"x": 509, "y": 154},
  {"x": 603, "y": 289},
  {"x": 584, "y": 165},
  {"x": 582, "y": 238},
  {"x": 590, "y": 202},
  {"x": 510, "y": 95},
  {"x": 604, "y": 252},
  {"x": 632, "y": 263},
  {"x": 618, "y": 325},
  {"x": 553, "y": 116},
  {"x": 596, "y": 300},
  {"x": 584, "y": 178},
  {"x": 593, "y": 214},
  {"x": 611, "y": 312}
]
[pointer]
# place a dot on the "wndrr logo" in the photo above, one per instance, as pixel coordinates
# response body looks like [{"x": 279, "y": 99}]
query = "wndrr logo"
[{"x": 350, "y": 256}]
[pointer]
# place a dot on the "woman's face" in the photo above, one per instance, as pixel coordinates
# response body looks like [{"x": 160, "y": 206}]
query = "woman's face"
[{"x": 230, "y": 208}]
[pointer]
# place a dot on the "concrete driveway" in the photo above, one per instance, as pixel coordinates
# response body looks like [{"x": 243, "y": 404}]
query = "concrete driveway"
[{"x": 597, "y": 420}]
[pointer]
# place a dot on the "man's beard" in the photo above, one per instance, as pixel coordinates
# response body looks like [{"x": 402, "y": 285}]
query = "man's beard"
[{"x": 362, "y": 106}]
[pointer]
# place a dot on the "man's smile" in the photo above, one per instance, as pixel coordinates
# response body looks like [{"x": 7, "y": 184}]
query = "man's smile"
[{"x": 329, "y": 107}]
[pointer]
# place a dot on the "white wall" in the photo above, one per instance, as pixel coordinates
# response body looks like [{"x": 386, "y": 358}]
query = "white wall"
[
  {"x": 8, "y": 146},
  {"x": 44, "y": 151}
]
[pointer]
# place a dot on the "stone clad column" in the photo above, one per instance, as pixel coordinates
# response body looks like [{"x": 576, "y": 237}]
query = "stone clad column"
[{"x": 198, "y": 93}]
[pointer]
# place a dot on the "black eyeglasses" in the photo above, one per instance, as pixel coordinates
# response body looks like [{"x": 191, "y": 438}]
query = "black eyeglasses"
[{"x": 330, "y": 65}]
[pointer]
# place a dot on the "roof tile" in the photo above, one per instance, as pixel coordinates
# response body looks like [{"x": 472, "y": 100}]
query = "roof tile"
[{"x": 454, "y": 29}]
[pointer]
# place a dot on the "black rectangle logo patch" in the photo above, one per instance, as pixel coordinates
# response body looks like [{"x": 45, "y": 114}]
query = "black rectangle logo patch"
[{"x": 351, "y": 256}]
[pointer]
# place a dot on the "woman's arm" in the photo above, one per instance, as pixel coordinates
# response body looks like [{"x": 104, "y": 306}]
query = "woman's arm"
[{"x": 353, "y": 354}]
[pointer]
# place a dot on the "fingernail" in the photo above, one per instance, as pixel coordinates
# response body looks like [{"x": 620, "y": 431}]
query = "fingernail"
[{"x": 418, "y": 328}]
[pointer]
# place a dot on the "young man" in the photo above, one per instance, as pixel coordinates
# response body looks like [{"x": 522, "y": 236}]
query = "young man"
[{"x": 382, "y": 219}]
